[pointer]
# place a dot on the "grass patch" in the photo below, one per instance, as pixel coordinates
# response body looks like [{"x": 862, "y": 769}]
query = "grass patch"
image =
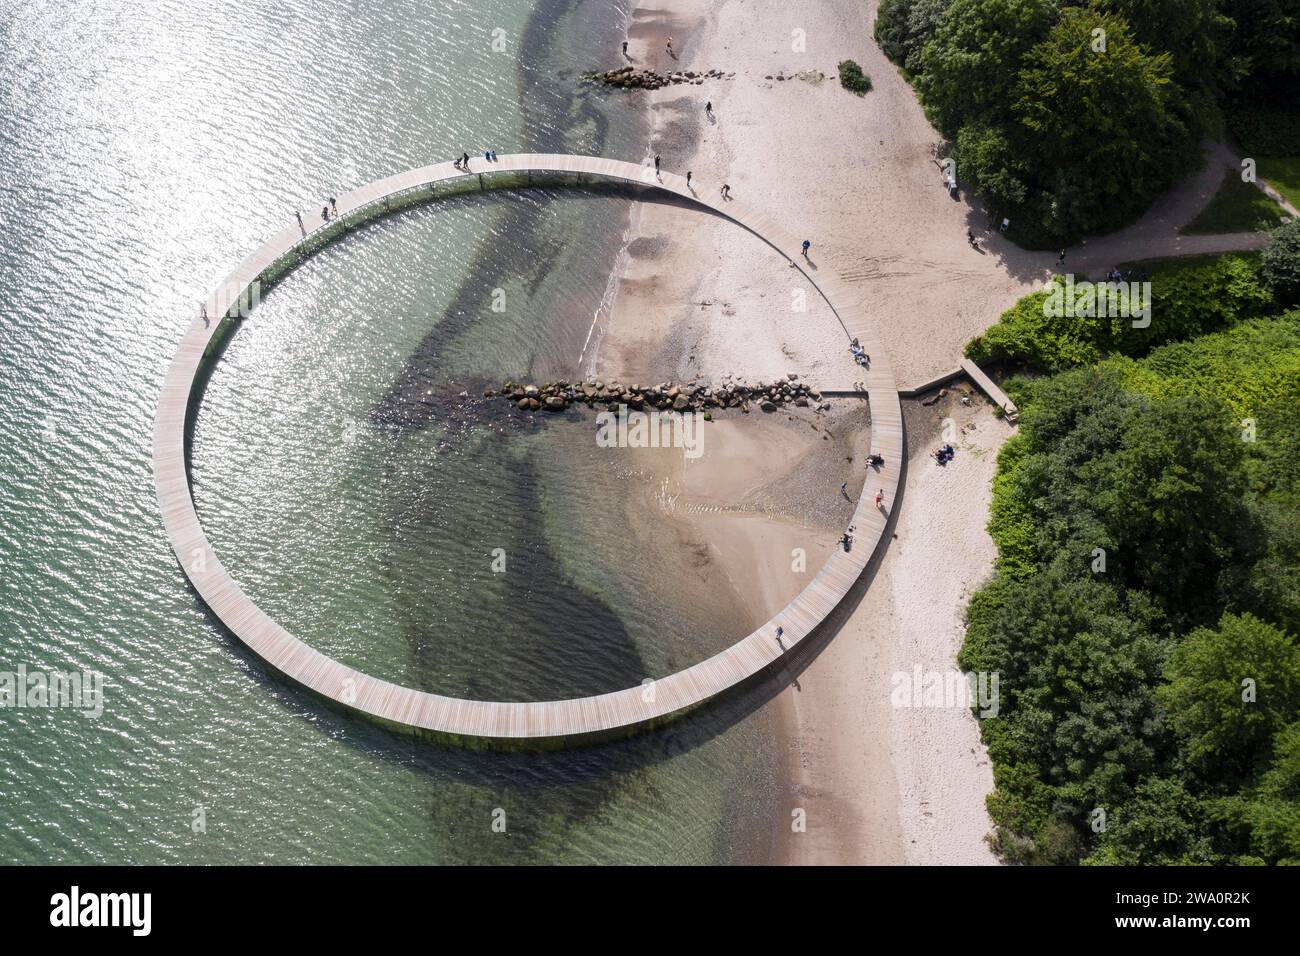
[
  {"x": 853, "y": 79},
  {"x": 1283, "y": 174},
  {"x": 1236, "y": 207}
]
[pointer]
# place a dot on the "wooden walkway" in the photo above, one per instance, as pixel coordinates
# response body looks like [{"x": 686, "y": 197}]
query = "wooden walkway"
[
  {"x": 990, "y": 388},
  {"x": 535, "y": 724}
]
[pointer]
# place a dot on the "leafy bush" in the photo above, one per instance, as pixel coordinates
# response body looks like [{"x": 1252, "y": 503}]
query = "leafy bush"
[
  {"x": 1281, "y": 263},
  {"x": 987, "y": 160},
  {"x": 1249, "y": 368},
  {"x": 1188, "y": 298},
  {"x": 904, "y": 26},
  {"x": 1264, "y": 129},
  {"x": 1164, "y": 824},
  {"x": 1011, "y": 523},
  {"x": 852, "y": 78}
]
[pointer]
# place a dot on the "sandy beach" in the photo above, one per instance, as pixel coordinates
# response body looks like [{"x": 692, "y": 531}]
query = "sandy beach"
[{"x": 700, "y": 299}]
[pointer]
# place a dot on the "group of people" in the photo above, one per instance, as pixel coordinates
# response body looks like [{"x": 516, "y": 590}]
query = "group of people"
[
  {"x": 726, "y": 189},
  {"x": 846, "y": 539},
  {"x": 327, "y": 211},
  {"x": 945, "y": 454},
  {"x": 668, "y": 46},
  {"x": 1114, "y": 275},
  {"x": 489, "y": 155},
  {"x": 859, "y": 355}
]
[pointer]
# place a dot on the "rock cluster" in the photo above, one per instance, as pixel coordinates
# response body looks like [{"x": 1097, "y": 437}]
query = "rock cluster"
[
  {"x": 630, "y": 78},
  {"x": 808, "y": 76},
  {"x": 685, "y": 397}
]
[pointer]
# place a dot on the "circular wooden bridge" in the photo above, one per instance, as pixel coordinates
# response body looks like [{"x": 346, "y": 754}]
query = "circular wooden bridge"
[{"x": 501, "y": 723}]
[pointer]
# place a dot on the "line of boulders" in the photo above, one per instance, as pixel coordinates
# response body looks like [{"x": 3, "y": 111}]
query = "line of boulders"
[
  {"x": 808, "y": 76},
  {"x": 630, "y": 78},
  {"x": 684, "y": 397}
]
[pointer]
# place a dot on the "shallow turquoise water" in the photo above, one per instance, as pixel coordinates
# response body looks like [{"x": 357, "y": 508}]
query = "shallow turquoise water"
[{"x": 145, "y": 148}]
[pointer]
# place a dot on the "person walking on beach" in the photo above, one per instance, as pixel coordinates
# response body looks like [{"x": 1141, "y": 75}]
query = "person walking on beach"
[
  {"x": 334, "y": 205},
  {"x": 708, "y": 108},
  {"x": 325, "y": 212},
  {"x": 688, "y": 179},
  {"x": 656, "y": 164},
  {"x": 464, "y": 161},
  {"x": 880, "y": 497},
  {"x": 806, "y": 246},
  {"x": 726, "y": 191},
  {"x": 844, "y": 489},
  {"x": 625, "y": 50},
  {"x": 670, "y": 48}
]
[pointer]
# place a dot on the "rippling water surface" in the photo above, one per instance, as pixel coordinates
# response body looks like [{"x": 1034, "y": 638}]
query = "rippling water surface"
[{"x": 146, "y": 146}]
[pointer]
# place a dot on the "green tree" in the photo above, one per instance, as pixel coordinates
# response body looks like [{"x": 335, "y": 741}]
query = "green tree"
[
  {"x": 1157, "y": 485},
  {"x": 1096, "y": 125},
  {"x": 1168, "y": 497},
  {"x": 1262, "y": 50},
  {"x": 1190, "y": 31},
  {"x": 990, "y": 164},
  {"x": 1163, "y": 824},
  {"x": 1224, "y": 737},
  {"x": 1274, "y": 473},
  {"x": 903, "y": 27},
  {"x": 1076, "y": 667},
  {"x": 1272, "y": 813},
  {"x": 971, "y": 63}
]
